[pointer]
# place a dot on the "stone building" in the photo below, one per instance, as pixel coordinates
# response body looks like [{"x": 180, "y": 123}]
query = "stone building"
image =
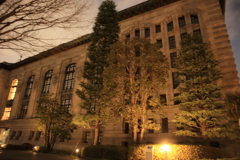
[{"x": 59, "y": 70}]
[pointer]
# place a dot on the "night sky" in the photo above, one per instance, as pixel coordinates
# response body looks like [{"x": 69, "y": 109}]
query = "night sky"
[{"x": 232, "y": 20}]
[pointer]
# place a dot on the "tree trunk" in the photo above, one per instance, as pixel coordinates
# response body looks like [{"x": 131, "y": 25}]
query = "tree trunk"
[
  {"x": 96, "y": 133},
  {"x": 134, "y": 137}
]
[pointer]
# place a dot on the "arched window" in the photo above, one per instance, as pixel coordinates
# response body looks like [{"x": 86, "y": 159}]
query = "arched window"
[
  {"x": 29, "y": 86},
  {"x": 13, "y": 89},
  {"x": 47, "y": 82},
  {"x": 69, "y": 77}
]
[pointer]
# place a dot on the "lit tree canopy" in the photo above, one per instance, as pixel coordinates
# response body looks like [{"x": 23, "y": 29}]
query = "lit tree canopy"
[
  {"x": 137, "y": 71},
  {"x": 201, "y": 109},
  {"x": 105, "y": 33}
]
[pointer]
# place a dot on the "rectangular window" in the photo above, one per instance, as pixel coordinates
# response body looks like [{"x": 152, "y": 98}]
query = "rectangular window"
[
  {"x": 6, "y": 113},
  {"x": 147, "y": 32},
  {"x": 19, "y": 133},
  {"x": 175, "y": 79},
  {"x": 176, "y": 102},
  {"x": 126, "y": 128},
  {"x": 183, "y": 35},
  {"x": 69, "y": 76},
  {"x": 173, "y": 57},
  {"x": 172, "y": 43},
  {"x": 31, "y": 135},
  {"x": 170, "y": 26},
  {"x": 23, "y": 111},
  {"x": 151, "y": 130},
  {"x": 163, "y": 99},
  {"x": 194, "y": 19},
  {"x": 158, "y": 28},
  {"x": 128, "y": 36},
  {"x": 86, "y": 137},
  {"x": 164, "y": 125},
  {"x": 159, "y": 43},
  {"x": 197, "y": 31},
  {"x": 29, "y": 86},
  {"x": 13, "y": 133},
  {"x": 181, "y": 22},
  {"x": 47, "y": 82},
  {"x": 66, "y": 105},
  {"x": 38, "y": 135},
  {"x": 137, "y": 33}
]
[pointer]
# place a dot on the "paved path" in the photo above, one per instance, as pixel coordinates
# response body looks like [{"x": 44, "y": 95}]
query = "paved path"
[{"x": 29, "y": 155}]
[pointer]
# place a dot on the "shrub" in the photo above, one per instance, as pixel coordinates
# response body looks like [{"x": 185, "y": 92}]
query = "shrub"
[
  {"x": 178, "y": 152},
  {"x": 106, "y": 151}
]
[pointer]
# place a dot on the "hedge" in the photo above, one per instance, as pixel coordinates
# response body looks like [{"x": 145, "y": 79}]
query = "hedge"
[
  {"x": 106, "y": 151},
  {"x": 178, "y": 152}
]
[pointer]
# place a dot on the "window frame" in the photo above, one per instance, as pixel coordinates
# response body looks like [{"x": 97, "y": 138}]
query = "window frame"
[
  {"x": 157, "y": 28},
  {"x": 194, "y": 19},
  {"x": 181, "y": 22},
  {"x": 29, "y": 86},
  {"x": 170, "y": 26},
  {"x": 47, "y": 82},
  {"x": 147, "y": 32},
  {"x": 69, "y": 77},
  {"x": 172, "y": 42}
]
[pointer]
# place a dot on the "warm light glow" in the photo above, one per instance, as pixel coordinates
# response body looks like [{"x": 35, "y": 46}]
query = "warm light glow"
[
  {"x": 3, "y": 145},
  {"x": 77, "y": 150},
  {"x": 165, "y": 147},
  {"x": 6, "y": 113},
  {"x": 13, "y": 89},
  {"x": 36, "y": 148}
]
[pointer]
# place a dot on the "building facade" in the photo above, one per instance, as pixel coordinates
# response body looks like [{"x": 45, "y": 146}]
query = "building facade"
[{"x": 59, "y": 70}]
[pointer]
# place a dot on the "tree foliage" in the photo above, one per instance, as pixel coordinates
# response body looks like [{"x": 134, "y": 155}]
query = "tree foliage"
[
  {"x": 21, "y": 20},
  {"x": 54, "y": 121},
  {"x": 105, "y": 33},
  {"x": 201, "y": 109},
  {"x": 233, "y": 113},
  {"x": 137, "y": 71}
]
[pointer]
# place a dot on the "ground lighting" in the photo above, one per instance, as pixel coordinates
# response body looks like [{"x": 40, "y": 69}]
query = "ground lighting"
[
  {"x": 36, "y": 148},
  {"x": 166, "y": 148},
  {"x": 77, "y": 150}
]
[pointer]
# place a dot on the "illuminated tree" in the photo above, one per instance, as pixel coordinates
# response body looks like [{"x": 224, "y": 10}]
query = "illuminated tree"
[
  {"x": 201, "y": 110},
  {"x": 137, "y": 71},
  {"x": 54, "y": 121},
  {"x": 105, "y": 33}
]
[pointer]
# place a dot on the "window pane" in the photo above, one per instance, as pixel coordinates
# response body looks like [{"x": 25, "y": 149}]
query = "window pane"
[
  {"x": 170, "y": 26},
  {"x": 29, "y": 86},
  {"x": 47, "y": 82},
  {"x": 69, "y": 76},
  {"x": 164, "y": 125},
  {"x": 137, "y": 33},
  {"x": 159, "y": 42},
  {"x": 181, "y": 22},
  {"x": 147, "y": 32},
  {"x": 173, "y": 59},
  {"x": 172, "y": 43},
  {"x": 158, "y": 28},
  {"x": 175, "y": 80},
  {"x": 194, "y": 19}
]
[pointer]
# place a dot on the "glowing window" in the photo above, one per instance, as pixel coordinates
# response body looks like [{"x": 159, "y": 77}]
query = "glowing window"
[
  {"x": 6, "y": 113},
  {"x": 13, "y": 89}
]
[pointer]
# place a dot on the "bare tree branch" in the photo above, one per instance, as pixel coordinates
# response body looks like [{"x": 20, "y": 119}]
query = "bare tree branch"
[{"x": 21, "y": 20}]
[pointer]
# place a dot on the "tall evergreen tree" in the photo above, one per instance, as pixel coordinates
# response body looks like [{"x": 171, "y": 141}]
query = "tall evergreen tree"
[
  {"x": 105, "y": 33},
  {"x": 136, "y": 73},
  {"x": 201, "y": 110}
]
